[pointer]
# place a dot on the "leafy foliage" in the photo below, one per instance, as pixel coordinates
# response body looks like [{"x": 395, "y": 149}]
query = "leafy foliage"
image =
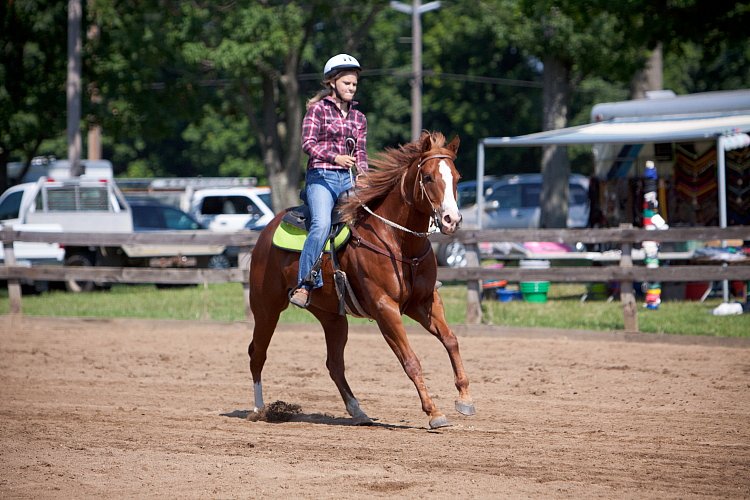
[{"x": 32, "y": 51}]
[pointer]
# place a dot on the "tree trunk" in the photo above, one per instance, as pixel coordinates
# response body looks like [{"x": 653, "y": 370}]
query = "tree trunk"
[
  {"x": 555, "y": 164},
  {"x": 4, "y": 157},
  {"x": 269, "y": 142},
  {"x": 650, "y": 77},
  {"x": 293, "y": 131}
]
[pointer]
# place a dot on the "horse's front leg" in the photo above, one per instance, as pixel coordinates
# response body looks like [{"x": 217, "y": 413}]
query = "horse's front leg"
[
  {"x": 389, "y": 321},
  {"x": 432, "y": 317}
]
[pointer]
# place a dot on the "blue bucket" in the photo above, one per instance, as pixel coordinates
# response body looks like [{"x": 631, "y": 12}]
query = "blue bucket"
[{"x": 504, "y": 295}]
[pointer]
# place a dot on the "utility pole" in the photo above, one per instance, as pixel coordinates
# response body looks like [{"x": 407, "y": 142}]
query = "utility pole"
[
  {"x": 74, "y": 87},
  {"x": 416, "y": 9}
]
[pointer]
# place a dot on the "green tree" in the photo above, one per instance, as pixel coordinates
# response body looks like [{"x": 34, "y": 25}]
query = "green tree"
[
  {"x": 475, "y": 93},
  {"x": 572, "y": 40},
  {"x": 260, "y": 49},
  {"x": 32, "y": 77},
  {"x": 141, "y": 90}
]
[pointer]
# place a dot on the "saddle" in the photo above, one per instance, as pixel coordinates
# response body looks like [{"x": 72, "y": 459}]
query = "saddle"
[{"x": 291, "y": 233}]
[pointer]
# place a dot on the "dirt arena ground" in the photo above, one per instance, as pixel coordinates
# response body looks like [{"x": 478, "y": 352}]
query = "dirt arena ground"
[{"x": 132, "y": 408}]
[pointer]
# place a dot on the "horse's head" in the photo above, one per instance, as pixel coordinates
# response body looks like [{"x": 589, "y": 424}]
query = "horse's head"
[{"x": 436, "y": 181}]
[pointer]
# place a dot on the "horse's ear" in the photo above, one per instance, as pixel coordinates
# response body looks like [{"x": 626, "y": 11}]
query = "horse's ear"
[
  {"x": 453, "y": 146},
  {"x": 426, "y": 142}
]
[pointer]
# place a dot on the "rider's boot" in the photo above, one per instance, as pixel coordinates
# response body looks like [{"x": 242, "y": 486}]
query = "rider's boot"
[{"x": 300, "y": 297}]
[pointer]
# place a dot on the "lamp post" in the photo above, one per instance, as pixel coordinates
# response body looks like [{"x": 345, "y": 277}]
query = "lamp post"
[
  {"x": 73, "y": 87},
  {"x": 416, "y": 9}
]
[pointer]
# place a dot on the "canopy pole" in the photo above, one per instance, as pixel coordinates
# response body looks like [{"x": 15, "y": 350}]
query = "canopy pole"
[
  {"x": 480, "y": 182},
  {"x": 720, "y": 149}
]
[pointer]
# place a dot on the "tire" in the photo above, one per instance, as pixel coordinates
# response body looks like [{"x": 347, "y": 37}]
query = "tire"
[
  {"x": 35, "y": 288},
  {"x": 218, "y": 262},
  {"x": 81, "y": 260},
  {"x": 452, "y": 254}
]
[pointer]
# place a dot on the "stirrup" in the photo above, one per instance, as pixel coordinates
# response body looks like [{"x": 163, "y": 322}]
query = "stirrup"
[{"x": 296, "y": 299}]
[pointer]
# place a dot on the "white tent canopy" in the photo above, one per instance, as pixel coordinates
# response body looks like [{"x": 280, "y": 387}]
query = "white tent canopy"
[{"x": 632, "y": 131}]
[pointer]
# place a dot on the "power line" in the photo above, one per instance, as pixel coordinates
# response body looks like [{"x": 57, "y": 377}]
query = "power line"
[{"x": 396, "y": 73}]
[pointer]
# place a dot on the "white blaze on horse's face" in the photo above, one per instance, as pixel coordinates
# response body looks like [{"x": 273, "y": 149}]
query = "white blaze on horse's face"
[{"x": 450, "y": 217}]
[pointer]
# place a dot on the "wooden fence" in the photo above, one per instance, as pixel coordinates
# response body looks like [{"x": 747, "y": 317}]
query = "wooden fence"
[{"x": 623, "y": 270}]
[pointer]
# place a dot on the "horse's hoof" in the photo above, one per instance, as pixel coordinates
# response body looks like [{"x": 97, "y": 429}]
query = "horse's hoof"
[
  {"x": 362, "y": 420},
  {"x": 254, "y": 416},
  {"x": 438, "y": 422},
  {"x": 465, "y": 408}
]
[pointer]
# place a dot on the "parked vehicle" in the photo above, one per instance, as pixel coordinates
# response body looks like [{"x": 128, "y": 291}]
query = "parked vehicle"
[
  {"x": 35, "y": 254},
  {"x": 49, "y": 166},
  {"x": 513, "y": 202},
  {"x": 87, "y": 205},
  {"x": 219, "y": 203},
  {"x": 153, "y": 215},
  {"x": 467, "y": 191},
  {"x": 233, "y": 208}
]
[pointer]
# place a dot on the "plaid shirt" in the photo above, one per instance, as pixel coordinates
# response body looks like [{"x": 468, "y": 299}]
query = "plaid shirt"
[{"x": 324, "y": 134}]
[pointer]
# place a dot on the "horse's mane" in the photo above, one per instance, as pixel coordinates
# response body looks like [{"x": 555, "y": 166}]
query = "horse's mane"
[{"x": 387, "y": 169}]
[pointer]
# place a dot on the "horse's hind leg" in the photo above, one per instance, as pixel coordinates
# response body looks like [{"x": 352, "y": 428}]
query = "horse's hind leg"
[
  {"x": 432, "y": 317},
  {"x": 266, "y": 317},
  {"x": 336, "y": 328}
]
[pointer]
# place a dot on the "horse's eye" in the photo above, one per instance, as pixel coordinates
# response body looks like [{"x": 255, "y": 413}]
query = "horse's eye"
[{"x": 428, "y": 178}]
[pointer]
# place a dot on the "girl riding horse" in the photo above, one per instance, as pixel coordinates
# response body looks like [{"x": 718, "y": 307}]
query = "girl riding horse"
[{"x": 390, "y": 268}]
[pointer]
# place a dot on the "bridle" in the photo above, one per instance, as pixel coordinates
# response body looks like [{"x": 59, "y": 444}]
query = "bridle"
[{"x": 435, "y": 216}]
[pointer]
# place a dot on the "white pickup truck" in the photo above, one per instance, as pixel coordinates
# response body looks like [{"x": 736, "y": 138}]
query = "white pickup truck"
[
  {"x": 35, "y": 254},
  {"x": 232, "y": 208},
  {"x": 221, "y": 204},
  {"x": 89, "y": 205}
]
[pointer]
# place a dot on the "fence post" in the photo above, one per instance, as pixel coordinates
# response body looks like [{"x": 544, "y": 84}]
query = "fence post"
[
  {"x": 473, "y": 288},
  {"x": 243, "y": 263},
  {"x": 14, "y": 285},
  {"x": 627, "y": 294}
]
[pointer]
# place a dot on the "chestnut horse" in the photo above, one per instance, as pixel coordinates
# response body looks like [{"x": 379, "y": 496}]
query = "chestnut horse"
[{"x": 389, "y": 264}]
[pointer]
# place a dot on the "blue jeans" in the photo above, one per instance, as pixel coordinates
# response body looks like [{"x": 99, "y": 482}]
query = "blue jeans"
[{"x": 322, "y": 188}]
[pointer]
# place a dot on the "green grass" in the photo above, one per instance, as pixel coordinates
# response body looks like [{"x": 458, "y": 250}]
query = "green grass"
[{"x": 224, "y": 303}]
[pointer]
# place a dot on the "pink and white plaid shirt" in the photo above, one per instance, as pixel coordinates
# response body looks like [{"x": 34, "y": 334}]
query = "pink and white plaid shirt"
[{"x": 324, "y": 134}]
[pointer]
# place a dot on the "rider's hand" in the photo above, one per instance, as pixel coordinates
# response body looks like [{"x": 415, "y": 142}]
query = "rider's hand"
[{"x": 345, "y": 161}]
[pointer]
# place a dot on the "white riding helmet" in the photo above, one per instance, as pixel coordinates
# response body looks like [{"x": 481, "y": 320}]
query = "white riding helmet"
[{"x": 340, "y": 62}]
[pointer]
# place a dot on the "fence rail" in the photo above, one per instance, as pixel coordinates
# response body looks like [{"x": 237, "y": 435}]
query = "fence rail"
[{"x": 622, "y": 270}]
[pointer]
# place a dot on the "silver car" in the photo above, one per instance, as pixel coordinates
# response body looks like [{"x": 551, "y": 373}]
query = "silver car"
[{"x": 512, "y": 202}]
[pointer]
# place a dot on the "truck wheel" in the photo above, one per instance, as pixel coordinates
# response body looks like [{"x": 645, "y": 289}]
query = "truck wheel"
[
  {"x": 35, "y": 288},
  {"x": 74, "y": 286},
  {"x": 219, "y": 262}
]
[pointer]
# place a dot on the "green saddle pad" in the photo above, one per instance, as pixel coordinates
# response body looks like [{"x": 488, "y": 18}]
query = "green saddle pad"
[{"x": 292, "y": 238}]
